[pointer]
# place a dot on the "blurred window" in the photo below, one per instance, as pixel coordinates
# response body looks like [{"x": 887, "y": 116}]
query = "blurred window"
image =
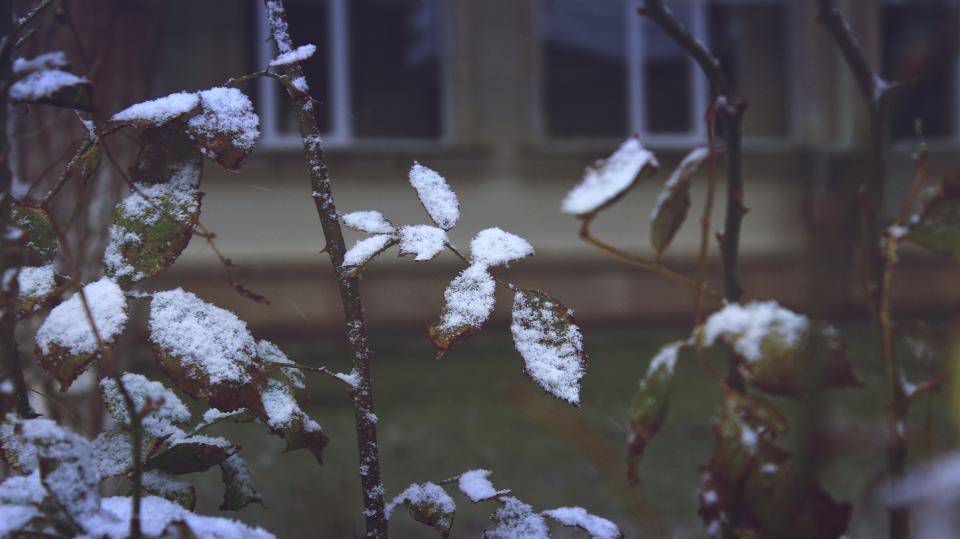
[
  {"x": 376, "y": 73},
  {"x": 920, "y": 48},
  {"x": 609, "y": 72}
]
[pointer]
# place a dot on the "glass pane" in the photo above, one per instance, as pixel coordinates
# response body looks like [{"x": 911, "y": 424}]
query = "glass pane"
[
  {"x": 584, "y": 66},
  {"x": 920, "y": 44},
  {"x": 667, "y": 78},
  {"x": 395, "y": 68},
  {"x": 309, "y": 21},
  {"x": 751, "y": 40}
]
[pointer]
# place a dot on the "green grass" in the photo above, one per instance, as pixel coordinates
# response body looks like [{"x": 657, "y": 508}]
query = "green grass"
[{"x": 475, "y": 409}]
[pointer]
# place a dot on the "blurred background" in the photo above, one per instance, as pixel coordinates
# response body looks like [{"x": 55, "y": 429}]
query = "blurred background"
[{"x": 510, "y": 100}]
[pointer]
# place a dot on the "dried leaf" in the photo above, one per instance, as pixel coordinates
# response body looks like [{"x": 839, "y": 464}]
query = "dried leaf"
[
  {"x": 468, "y": 303},
  {"x": 674, "y": 201},
  {"x": 937, "y": 227},
  {"x": 193, "y": 454},
  {"x": 607, "y": 180},
  {"x": 551, "y": 345},
  {"x": 238, "y": 486},
  {"x": 427, "y": 503},
  {"x": 36, "y": 221},
  {"x": 650, "y": 403},
  {"x": 165, "y": 152}
]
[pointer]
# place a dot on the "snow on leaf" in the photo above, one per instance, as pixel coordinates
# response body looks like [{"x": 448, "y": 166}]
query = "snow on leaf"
[
  {"x": 163, "y": 518},
  {"x": 166, "y": 486},
  {"x": 516, "y": 520},
  {"x": 550, "y": 343},
  {"x": 52, "y": 87},
  {"x": 937, "y": 227},
  {"x": 238, "y": 485},
  {"x": 650, "y": 403},
  {"x": 207, "y": 351},
  {"x": 578, "y": 517},
  {"x": 162, "y": 411},
  {"x": 300, "y": 54},
  {"x": 427, "y": 503},
  {"x": 66, "y": 343},
  {"x": 493, "y": 246},
  {"x": 197, "y": 453},
  {"x": 151, "y": 227},
  {"x": 364, "y": 250},
  {"x": 605, "y": 181},
  {"x": 369, "y": 221},
  {"x": 168, "y": 154},
  {"x": 422, "y": 241},
  {"x": 475, "y": 485},
  {"x": 158, "y": 111},
  {"x": 47, "y": 60},
  {"x": 468, "y": 302},
  {"x": 42, "y": 242},
  {"x": 112, "y": 453},
  {"x": 267, "y": 351},
  {"x": 284, "y": 417},
  {"x": 674, "y": 201},
  {"x": 36, "y": 286},
  {"x": 436, "y": 196},
  {"x": 784, "y": 353},
  {"x": 226, "y": 127}
]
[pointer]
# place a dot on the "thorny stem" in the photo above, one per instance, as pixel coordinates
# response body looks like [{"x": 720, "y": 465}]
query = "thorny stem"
[
  {"x": 349, "y": 285},
  {"x": 643, "y": 263},
  {"x": 878, "y": 265}
]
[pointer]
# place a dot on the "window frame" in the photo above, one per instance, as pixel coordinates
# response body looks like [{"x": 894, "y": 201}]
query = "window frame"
[
  {"x": 699, "y": 27},
  {"x": 337, "y": 92}
]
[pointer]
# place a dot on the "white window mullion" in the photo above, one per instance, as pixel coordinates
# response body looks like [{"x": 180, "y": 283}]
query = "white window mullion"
[
  {"x": 635, "y": 56},
  {"x": 701, "y": 88},
  {"x": 341, "y": 128}
]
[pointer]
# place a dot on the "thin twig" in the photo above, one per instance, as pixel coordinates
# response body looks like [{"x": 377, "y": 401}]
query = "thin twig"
[{"x": 320, "y": 370}]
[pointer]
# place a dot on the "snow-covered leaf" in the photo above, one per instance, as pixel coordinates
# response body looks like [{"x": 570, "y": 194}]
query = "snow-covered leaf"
[
  {"x": 166, "y": 519},
  {"x": 151, "y": 227},
  {"x": 468, "y": 302},
  {"x": 238, "y": 485},
  {"x": 42, "y": 242},
  {"x": 226, "y": 126},
  {"x": 284, "y": 417},
  {"x": 516, "y": 520},
  {"x": 436, "y": 196},
  {"x": 545, "y": 335},
  {"x": 112, "y": 453},
  {"x": 213, "y": 416},
  {"x": 364, "y": 250},
  {"x": 158, "y": 111},
  {"x": 166, "y": 486},
  {"x": 207, "y": 351},
  {"x": 578, "y": 517},
  {"x": 66, "y": 344},
  {"x": 674, "y": 201},
  {"x": 369, "y": 221},
  {"x": 162, "y": 412},
  {"x": 299, "y": 54},
  {"x": 48, "y": 60},
  {"x": 937, "y": 227},
  {"x": 168, "y": 153},
  {"x": 191, "y": 454},
  {"x": 267, "y": 351},
  {"x": 54, "y": 87},
  {"x": 37, "y": 286},
  {"x": 427, "y": 503},
  {"x": 475, "y": 485},
  {"x": 422, "y": 241},
  {"x": 783, "y": 352},
  {"x": 605, "y": 181},
  {"x": 650, "y": 403},
  {"x": 493, "y": 247}
]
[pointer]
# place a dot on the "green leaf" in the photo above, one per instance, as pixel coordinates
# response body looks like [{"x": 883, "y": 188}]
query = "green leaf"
[
  {"x": 151, "y": 227},
  {"x": 85, "y": 161},
  {"x": 551, "y": 345},
  {"x": 427, "y": 503},
  {"x": 937, "y": 227},
  {"x": 607, "y": 180},
  {"x": 192, "y": 454},
  {"x": 650, "y": 403},
  {"x": 238, "y": 485},
  {"x": 166, "y": 486},
  {"x": 36, "y": 221},
  {"x": 674, "y": 201}
]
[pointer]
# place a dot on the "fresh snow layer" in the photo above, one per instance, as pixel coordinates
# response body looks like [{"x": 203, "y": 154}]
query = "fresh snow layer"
[
  {"x": 597, "y": 527},
  {"x": 422, "y": 241},
  {"x": 267, "y": 351},
  {"x": 475, "y": 485},
  {"x": 425, "y": 494},
  {"x": 746, "y": 326},
  {"x": 436, "y": 196},
  {"x": 113, "y": 521},
  {"x": 227, "y": 111},
  {"x": 159, "y": 111},
  {"x": 516, "y": 520},
  {"x": 68, "y": 327},
  {"x": 607, "y": 179},
  {"x": 47, "y": 60},
  {"x": 554, "y": 360},
  {"x": 666, "y": 357},
  {"x": 469, "y": 298},
  {"x": 164, "y": 408},
  {"x": 203, "y": 336},
  {"x": 492, "y": 247},
  {"x": 36, "y": 281},
  {"x": 369, "y": 221},
  {"x": 43, "y": 83},
  {"x": 365, "y": 249},
  {"x": 300, "y": 54}
]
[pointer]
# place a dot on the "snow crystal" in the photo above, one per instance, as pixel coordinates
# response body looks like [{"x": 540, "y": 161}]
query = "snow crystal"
[
  {"x": 41, "y": 84},
  {"x": 113, "y": 522},
  {"x": 365, "y": 249},
  {"x": 112, "y": 453},
  {"x": 554, "y": 359},
  {"x": 746, "y": 326},
  {"x": 68, "y": 327},
  {"x": 203, "y": 336},
  {"x": 369, "y": 221},
  {"x": 469, "y": 298},
  {"x": 609, "y": 178},
  {"x": 268, "y": 351},
  {"x": 436, "y": 196},
  {"x": 475, "y": 485},
  {"x": 424, "y": 241},
  {"x": 36, "y": 282},
  {"x": 682, "y": 174},
  {"x": 666, "y": 357},
  {"x": 159, "y": 111},
  {"x": 492, "y": 247},
  {"x": 597, "y": 527},
  {"x": 227, "y": 111},
  {"x": 300, "y": 54},
  {"x": 164, "y": 408},
  {"x": 47, "y": 60},
  {"x": 425, "y": 494},
  {"x": 516, "y": 520}
]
